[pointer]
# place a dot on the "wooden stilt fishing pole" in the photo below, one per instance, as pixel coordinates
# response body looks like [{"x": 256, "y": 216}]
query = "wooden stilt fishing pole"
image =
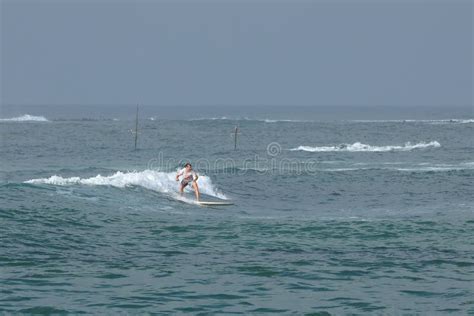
[
  {"x": 236, "y": 132},
  {"x": 136, "y": 129}
]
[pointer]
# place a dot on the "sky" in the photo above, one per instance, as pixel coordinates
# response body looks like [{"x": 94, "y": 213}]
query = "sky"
[{"x": 229, "y": 52}]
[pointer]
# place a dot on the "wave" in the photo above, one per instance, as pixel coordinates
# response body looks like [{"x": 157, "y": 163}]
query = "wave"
[
  {"x": 427, "y": 167},
  {"x": 286, "y": 120},
  {"x": 163, "y": 182},
  {"x": 455, "y": 121},
  {"x": 270, "y": 120},
  {"x": 86, "y": 119},
  {"x": 359, "y": 147},
  {"x": 25, "y": 118},
  {"x": 265, "y": 120},
  {"x": 441, "y": 121},
  {"x": 432, "y": 169},
  {"x": 210, "y": 118}
]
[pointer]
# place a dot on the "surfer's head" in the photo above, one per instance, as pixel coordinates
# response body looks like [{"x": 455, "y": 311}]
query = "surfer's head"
[{"x": 188, "y": 166}]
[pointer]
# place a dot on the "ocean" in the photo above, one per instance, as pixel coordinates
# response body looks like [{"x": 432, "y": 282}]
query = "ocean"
[{"x": 336, "y": 210}]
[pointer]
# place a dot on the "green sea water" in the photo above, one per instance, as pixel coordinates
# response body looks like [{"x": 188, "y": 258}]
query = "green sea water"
[{"x": 333, "y": 213}]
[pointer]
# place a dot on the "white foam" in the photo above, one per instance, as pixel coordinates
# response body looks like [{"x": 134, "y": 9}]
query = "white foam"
[
  {"x": 266, "y": 120},
  {"x": 424, "y": 167},
  {"x": 359, "y": 147},
  {"x": 210, "y": 118},
  {"x": 25, "y": 118},
  {"x": 153, "y": 180},
  {"x": 290, "y": 121},
  {"x": 441, "y": 121},
  {"x": 427, "y": 169},
  {"x": 342, "y": 169},
  {"x": 451, "y": 121}
]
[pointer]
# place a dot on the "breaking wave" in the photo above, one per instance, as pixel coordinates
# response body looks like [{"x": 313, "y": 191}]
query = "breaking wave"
[
  {"x": 163, "y": 182},
  {"x": 359, "y": 147},
  {"x": 283, "y": 120},
  {"x": 443, "y": 121},
  {"x": 264, "y": 120},
  {"x": 25, "y": 118}
]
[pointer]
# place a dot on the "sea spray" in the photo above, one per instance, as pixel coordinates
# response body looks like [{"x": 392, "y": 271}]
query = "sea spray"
[
  {"x": 359, "y": 147},
  {"x": 164, "y": 182},
  {"x": 25, "y": 118}
]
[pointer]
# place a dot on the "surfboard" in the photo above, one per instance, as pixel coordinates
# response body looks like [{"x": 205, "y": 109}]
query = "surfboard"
[{"x": 208, "y": 203}]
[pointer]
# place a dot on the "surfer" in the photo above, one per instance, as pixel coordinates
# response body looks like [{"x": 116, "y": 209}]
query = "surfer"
[{"x": 189, "y": 176}]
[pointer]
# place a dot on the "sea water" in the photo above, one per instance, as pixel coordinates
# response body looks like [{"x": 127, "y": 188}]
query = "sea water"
[{"x": 336, "y": 210}]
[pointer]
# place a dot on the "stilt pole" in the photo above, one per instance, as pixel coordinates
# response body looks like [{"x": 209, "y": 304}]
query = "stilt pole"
[{"x": 136, "y": 129}]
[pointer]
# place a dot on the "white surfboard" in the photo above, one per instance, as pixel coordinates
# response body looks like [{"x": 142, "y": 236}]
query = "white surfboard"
[{"x": 205, "y": 203}]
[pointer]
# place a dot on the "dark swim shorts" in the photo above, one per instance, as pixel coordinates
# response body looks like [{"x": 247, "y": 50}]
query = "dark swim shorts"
[{"x": 186, "y": 181}]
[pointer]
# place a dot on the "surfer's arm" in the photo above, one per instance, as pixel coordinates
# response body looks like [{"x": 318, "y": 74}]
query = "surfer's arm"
[
  {"x": 195, "y": 176},
  {"x": 180, "y": 172}
]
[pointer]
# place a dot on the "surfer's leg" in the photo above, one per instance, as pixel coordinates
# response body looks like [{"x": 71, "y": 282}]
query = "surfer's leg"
[
  {"x": 196, "y": 190},
  {"x": 181, "y": 187}
]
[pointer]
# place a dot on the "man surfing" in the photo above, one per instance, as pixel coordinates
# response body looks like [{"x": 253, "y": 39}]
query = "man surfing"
[{"x": 189, "y": 176}]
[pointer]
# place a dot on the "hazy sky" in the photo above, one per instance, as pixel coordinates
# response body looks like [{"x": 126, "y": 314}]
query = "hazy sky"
[{"x": 237, "y": 52}]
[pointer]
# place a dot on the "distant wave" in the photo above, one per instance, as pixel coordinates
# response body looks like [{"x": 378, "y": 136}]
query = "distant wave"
[
  {"x": 359, "y": 147},
  {"x": 153, "y": 180},
  {"x": 441, "y": 121},
  {"x": 285, "y": 120},
  {"x": 211, "y": 118},
  {"x": 427, "y": 167},
  {"x": 271, "y": 120},
  {"x": 25, "y": 118},
  {"x": 432, "y": 169},
  {"x": 456, "y": 121},
  {"x": 86, "y": 119},
  {"x": 265, "y": 120}
]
